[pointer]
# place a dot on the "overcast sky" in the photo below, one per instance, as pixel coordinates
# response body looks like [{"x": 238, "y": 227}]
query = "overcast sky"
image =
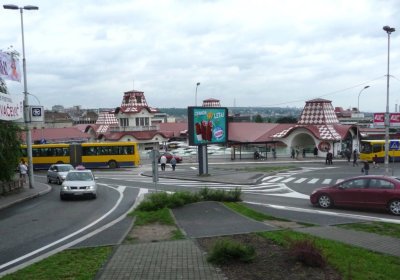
[{"x": 244, "y": 53}]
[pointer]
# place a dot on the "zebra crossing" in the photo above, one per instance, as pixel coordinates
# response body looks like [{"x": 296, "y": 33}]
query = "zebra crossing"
[{"x": 296, "y": 180}]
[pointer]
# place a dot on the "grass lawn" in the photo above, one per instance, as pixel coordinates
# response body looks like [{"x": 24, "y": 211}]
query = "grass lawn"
[
  {"x": 380, "y": 228},
  {"x": 353, "y": 263},
  {"x": 68, "y": 264}
]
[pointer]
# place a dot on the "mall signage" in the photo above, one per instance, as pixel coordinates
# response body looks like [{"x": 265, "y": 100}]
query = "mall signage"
[{"x": 394, "y": 119}]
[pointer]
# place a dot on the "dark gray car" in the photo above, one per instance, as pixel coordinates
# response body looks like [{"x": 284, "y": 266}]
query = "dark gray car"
[{"x": 58, "y": 172}]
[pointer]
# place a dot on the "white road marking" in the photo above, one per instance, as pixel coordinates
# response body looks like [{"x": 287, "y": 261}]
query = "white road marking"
[
  {"x": 301, "y": 180},
  {"x": 288, "y": 180},
  {"x": 120, "y": 191},
  {"x": 313, "y": 181},
  {"x": 326, "y": 181}
]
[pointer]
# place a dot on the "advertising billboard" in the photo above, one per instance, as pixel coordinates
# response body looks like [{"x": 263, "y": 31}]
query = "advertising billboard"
[
  {"x": 208, "y": 125},
  {"x": 394, "y": 119}
]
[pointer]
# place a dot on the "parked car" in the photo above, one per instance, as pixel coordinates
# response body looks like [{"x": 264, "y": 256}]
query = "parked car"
[
  {"x": 361, "y": 192},
  {"x": 169, "y": 156},
  {"x": 79, "y": 183},
  {"x": 58, "y": 172}
]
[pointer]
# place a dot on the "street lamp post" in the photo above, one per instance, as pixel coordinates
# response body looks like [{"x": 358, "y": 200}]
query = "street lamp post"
[
  {"x": 195, "y": 101},
  {"x": 358, "y": 108},
  {"x": 26, "y": 101},
  {"x": 389, "y": 31}
]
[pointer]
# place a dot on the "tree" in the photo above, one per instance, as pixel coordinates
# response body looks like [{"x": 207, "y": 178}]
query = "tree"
[
  {"x": 258, "y": 119},
  {"x": 287, "y": 119},
  {"x": 9, "y": 149}
]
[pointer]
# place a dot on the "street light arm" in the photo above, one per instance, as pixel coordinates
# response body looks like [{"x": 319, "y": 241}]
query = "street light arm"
[{"x": 358, "y": 103}]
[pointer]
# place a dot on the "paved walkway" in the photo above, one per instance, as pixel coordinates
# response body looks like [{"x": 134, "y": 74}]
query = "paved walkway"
[{"x": 183, "y": 259}]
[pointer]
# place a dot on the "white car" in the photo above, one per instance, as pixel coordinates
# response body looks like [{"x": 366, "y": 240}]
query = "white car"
[
  {"x": 79, "y": 183},
  {"x": 58, "y": 172}
]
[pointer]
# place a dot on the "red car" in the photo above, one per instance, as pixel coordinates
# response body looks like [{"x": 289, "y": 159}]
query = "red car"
[
  {"x": 169, "y": 156},
  {"x": 362, "y": 192}
]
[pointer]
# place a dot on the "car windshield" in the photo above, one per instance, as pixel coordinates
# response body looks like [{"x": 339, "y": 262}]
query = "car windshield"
[
  {"x": 65, "y": 168},
  {"x": 79, "y": 176}
]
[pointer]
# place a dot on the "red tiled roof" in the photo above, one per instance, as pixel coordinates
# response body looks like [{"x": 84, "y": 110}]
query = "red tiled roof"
[
  {"x": 176, "y": 129},
  {"x": 138, "y": 135},
  {"x": 57, "y": 135}
]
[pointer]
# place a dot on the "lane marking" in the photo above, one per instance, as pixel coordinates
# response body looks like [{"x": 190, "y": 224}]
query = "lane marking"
[
  {"x": 301, "y": 180},
  {"x": 313, "y": 181},
  {"x": 326, "y": 181},
  {"x": 329, "y": 213},
  {"x": 120, "y": 191}
]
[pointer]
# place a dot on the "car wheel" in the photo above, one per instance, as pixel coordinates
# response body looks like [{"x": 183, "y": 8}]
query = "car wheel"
[
  {"x": 48, "y": 180},
  {"x": 58, "y": 181},
  {"x": 62, "y": 197},
  {"x": 394, "y": 207},
  {"x": 324, "y": 201},
  {"x": 94, "y": 196}
]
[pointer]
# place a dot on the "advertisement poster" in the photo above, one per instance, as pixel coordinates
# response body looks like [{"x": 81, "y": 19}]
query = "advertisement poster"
[
  {"x": 394, "y": 119},
  {"x": 208, "y": 125},
  {"x": 11, "y": 107}
]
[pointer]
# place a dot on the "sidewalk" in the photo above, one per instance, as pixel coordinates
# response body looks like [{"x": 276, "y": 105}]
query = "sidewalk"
[
  {"x": 23, "y": 194},
  {"x": 183, "y": 259}
]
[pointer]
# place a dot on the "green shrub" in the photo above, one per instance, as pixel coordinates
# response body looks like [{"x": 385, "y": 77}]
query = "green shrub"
[
  {"x": 220, "y": 195},
  {"x": 226, "y": 250},
  {"x": 160, "y": 200}
]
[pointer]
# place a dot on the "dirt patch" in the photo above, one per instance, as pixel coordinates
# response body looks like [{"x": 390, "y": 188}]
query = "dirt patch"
[
  {"x": 283, "y": 224},
  {"x": 272, "y": 262},
  {"x": 150, "y": 233}
]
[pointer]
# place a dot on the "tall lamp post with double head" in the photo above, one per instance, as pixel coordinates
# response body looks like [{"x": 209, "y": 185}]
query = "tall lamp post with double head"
[
  {"x": 195, "y": 101},
  {"x": 26, "y": 103},
  {"x": 358, "y": 108},
  {"x": 389, "y": 31}
]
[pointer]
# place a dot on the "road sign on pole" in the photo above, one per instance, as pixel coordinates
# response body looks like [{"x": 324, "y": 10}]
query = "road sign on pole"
[{"x": 394, "y": 145}]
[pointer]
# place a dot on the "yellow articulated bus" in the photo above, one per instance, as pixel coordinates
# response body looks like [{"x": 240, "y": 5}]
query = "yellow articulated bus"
[
  {"x": 90, "y": 155},
  {"x": 370, "y": 148}
]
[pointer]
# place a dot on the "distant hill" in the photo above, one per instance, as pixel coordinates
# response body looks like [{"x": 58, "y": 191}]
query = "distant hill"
[{"x": 265, "y": 112}]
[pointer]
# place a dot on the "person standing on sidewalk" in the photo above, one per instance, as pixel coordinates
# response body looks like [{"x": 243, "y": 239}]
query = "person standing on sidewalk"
[
  {"x": 355, "y": 158},
  {"x": 23, "y": 172},
  {"x": 173, "y": 163},
  {"x": 163, "y": 161}
]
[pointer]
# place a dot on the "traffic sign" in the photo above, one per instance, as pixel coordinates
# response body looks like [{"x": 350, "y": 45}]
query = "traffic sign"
[{"x": 394, "y": 145}]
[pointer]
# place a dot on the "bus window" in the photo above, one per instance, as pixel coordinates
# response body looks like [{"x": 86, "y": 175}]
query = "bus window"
[
  {"x": 366, "y": 148},
  {"x": 376, "y": 148}
]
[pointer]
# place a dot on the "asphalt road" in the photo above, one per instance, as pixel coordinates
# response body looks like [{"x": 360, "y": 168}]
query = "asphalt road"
[{"x": 46, "y": 225}]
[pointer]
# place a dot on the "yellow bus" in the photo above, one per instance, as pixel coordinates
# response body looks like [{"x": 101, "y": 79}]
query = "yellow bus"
[
  {"x": 370, "y": 148},
  {"x": 90, "y": 155}
]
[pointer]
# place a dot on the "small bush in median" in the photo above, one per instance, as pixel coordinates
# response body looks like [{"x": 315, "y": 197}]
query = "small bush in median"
[
  {"x": 226, "y": 250},
  {"x": 221, "y": 195},
  {"x": 160, "y": 200}
]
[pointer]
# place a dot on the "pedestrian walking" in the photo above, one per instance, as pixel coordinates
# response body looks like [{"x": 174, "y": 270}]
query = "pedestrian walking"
[
  {"x": 375, "y": 161},
  {"x": 163, "y": 161},
  {"x": 23, "y": 172},
  {"x": 274, "y": 153},
  {"x": 292, "y": 155},
  {"x": 348, "y": 155},
  {"x": 315, "y": 151},
  {"x": 173, "y": 163},
  {"x": 365, "y": 168},
  {"x": 355, "y": 158},
  {"x": 329, "y": 158},
  {"x": 304, "y": 152}
]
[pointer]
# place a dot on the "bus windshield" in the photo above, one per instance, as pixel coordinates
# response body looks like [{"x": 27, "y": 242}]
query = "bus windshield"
[{"x": 366, "y": 148}]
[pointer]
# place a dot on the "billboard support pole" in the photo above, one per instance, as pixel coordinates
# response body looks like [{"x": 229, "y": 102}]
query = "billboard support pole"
[{"x": 203, "y": 159}]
